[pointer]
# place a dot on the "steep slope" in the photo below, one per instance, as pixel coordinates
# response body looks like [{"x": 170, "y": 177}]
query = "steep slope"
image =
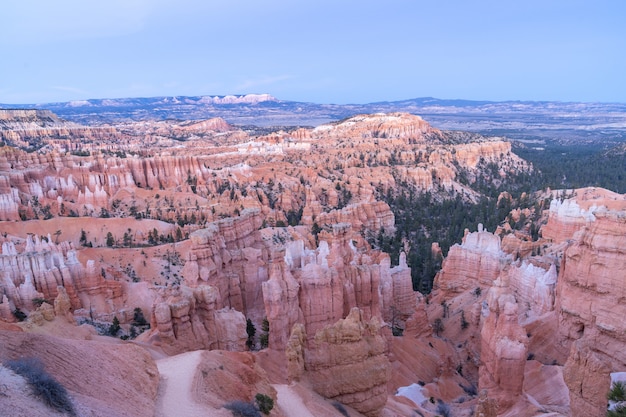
[{"x": 84, "y": 368}]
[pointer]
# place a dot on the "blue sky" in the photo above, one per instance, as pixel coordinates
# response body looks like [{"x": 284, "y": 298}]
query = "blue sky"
[{"x": 339, "y": 51}]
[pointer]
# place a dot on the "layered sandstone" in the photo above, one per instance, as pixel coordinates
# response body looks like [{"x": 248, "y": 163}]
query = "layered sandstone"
[
  {"x": 568, "y": 215},
  {"x": 504, "y": 349},
  {"x": 228, "y": 256},
  {"x": 476, "y": 262},
  {"x": 591, "y": 290},
  {"x": 190, "y": 319},
  {"x": 42, "y": 267},
  {"x": 385, "y": 126},
  {"x": 347, "y": 362}
]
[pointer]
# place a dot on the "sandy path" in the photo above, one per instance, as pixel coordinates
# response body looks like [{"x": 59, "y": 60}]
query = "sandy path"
[
  {"x": 290, "y": 403},
  {"x": 176, "y": 386}
]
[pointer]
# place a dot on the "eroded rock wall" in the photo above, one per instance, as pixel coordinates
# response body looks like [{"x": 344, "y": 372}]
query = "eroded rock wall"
[{"x": 347, "y": 362}]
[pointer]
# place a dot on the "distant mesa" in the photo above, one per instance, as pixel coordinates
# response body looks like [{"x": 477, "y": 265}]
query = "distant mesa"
[
  {"x": 227, "y": 99},
  {"x": 248, "y": 98}
]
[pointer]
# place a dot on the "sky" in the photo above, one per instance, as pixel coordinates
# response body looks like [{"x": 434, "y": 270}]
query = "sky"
[{"x": 322, "y": 51}]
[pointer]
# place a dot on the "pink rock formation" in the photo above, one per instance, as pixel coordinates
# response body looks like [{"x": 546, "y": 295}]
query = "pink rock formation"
[
  {"x": 44, "y": 270},
  {"x": 223, "y": 377},
  {"x": 532, "y": 286},
  {"x": 189, "y": 320},
  {"x": 564, "y": 220},
  {"x": 476, "y": 262},
  {"x": 228, "y": 256},
  {"x": 504, "y": 350},
  {"x": 224, "y": 188},
  {"x": 386, "y": 126},
  {"x": 350, "y": 279},
  {"x": 417, "y": 325},
  {"x": 294, "y": 286},
  {"x": 568, "y": 215},
  {"x": 591, "y": 290},
  {"x": 294, "y": 352},
  {"x": 348, "y": 362},
  {"x": 370, "y": 216},
  {"x": 280, "y": 295}
]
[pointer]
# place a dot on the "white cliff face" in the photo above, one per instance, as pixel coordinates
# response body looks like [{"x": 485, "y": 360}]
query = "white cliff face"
[
  {"x": 534, "y": 288},
  {"x": 478, "y": 261},
  {"x": 571, "y": 209},
  {"x": 482, "y": 241}
]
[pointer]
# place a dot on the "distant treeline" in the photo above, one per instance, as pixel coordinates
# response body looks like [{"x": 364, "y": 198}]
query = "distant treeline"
[{"x": 576, "y": 166}]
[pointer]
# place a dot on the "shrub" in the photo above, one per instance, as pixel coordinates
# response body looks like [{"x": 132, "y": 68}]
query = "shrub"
[
  {"x": 438, "y": 326},
  {"x": 264, "y": 402},
  {"x": 617, "y": 392},
  {"x": 242, "y": 409},
  {"x": 618, "y": 411},
  {"x": 37, "y": 302},
  {"x": 264, "y": 340},
  {"x": 19, "y": 314},
  {"x": 397, "y": 331},
  {"x": 44, "y": 386},
  {"x": 443, "y": 409},
  {"x": 264, "y": 337},
  {"x": 114, "y": 327},
  {"x": 110, "y": 239},
  {"x": 464, "y": 323},
  {"x": 138, "y": 318},
  {"x": 469, "y": 390},
  {"x": 251, "y": 331},
  {"x": 339, "y": 407}
]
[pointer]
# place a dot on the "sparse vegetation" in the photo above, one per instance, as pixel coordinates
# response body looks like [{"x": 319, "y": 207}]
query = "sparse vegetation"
[
  {"x": 617, "y": 400},
  {"x": 19, "y": 314},
  {"x": 138, "y": 317},
  {"x": 264, "y": 337},
  {"x": 264, "y": 402},
  {"x": 443, "y": 409},
  {"x": 438, "y": 326},
  {"x": 44, "y": 386},
  {"x": 617, "y": 392},
  {"x": 340, "y": 407},
  {"x": 37, "y": 302},
  {"x": 242, "y": 409},
  {"x": 617, "y": 411},
  {"x": 114, "y": 328},
  {"x": 469, "y": 390},
  {"x": 464, "y": 323},
  {"x": 251, "y": 331},
  {"x": 110, "y": 240}
]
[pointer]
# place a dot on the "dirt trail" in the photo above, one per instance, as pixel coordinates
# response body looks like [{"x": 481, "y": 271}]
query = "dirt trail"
[
  {"x": 290, "y": 402},
  {"x": 175, "y": 397}
]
